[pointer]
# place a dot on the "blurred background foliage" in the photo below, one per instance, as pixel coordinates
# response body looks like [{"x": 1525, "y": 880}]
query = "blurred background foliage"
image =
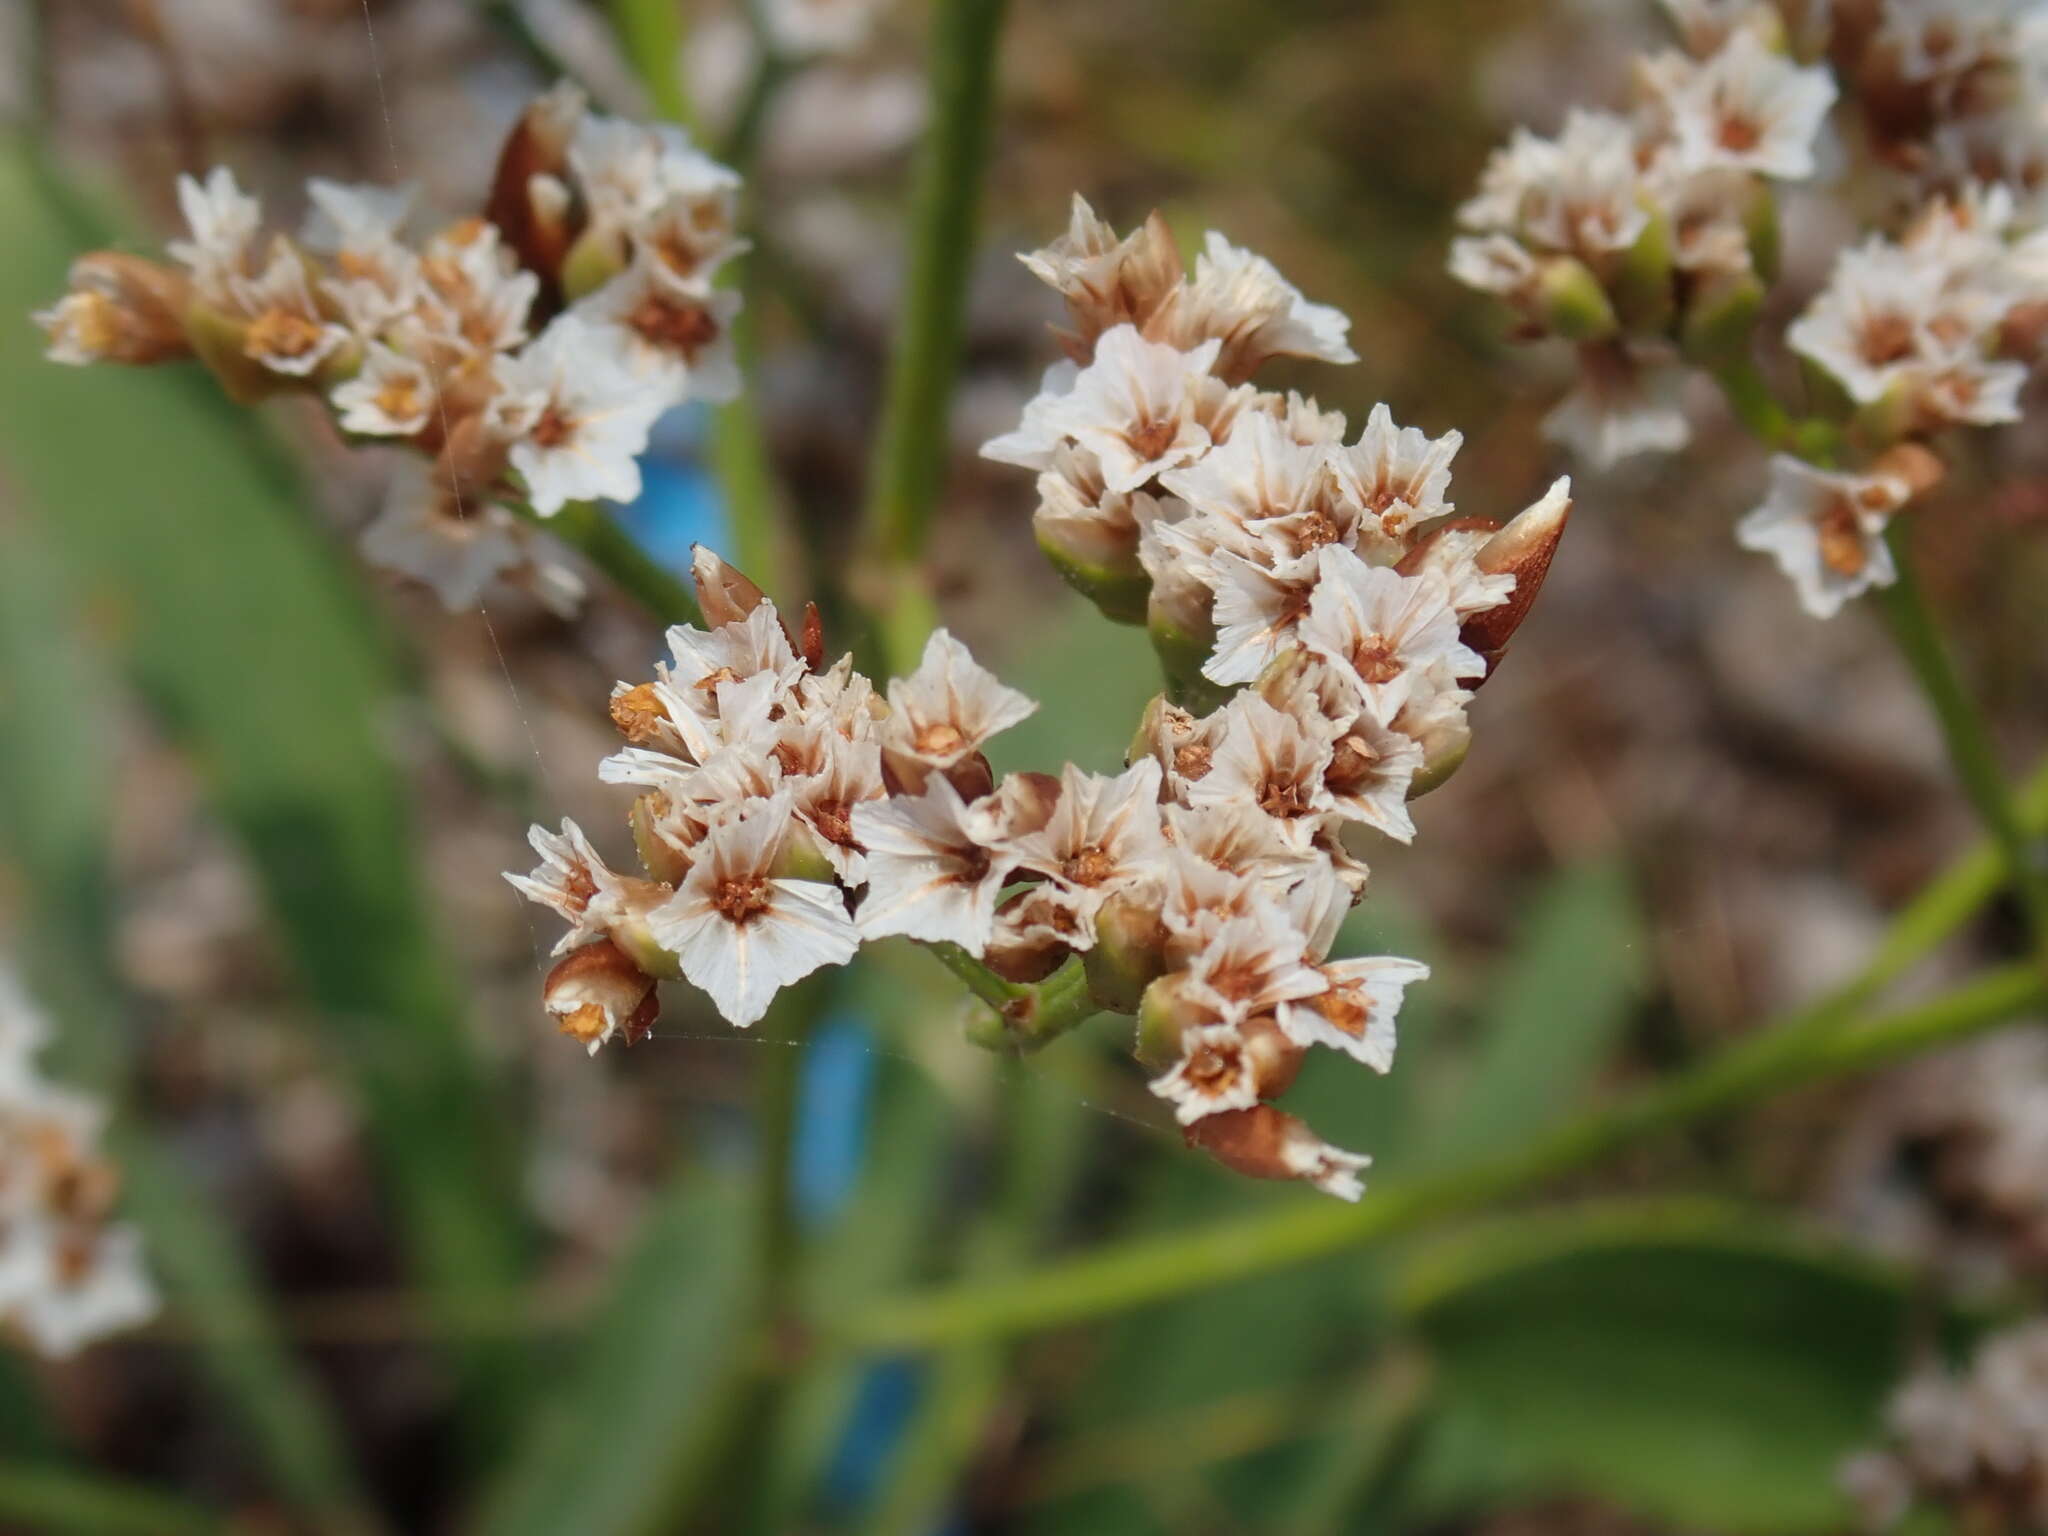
[{"x": 427, "y": 1268}]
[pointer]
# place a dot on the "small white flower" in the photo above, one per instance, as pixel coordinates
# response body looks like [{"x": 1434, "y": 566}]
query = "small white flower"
[
  {"x": 740, "y": 933},
  {"x": 1625, "y": 403},
  {"x": 65, "y": 1288},
  {"x": 393, "y": 395},
  {"x": 1252, "y": 965},
  {"x": 1269, "y": 760},
  {"x": 474, "y": 299},
  {"x": 1749, "y": 108},
  {"x": 943, "y": 712},
  {"x": 459, "y": 547},
  {"x": 224, "y": 222},
  {"x": 579, "y": 416},
  {"x": 1236, "y": 838},
  {"x": 1239, "y": 299},
  {"x": 1826, "y": 531},
  {"x": 1330, "y": 1169},
  {"x": 1399, "y": 474},
  {"x": 1105, "y": 280},
  {"x": 1383, "y": 630},
  {"x": 1494, "y": 263},
  {"x": 1041, "y": 435},
  {"x": 678, "y": 338},
  {"x": 1103, "y": 836},
  {"x": 931, "y": 874},
  {"x": 573, "y": 882},
  {"x": 1866, "y": 327},
  {"x": 1371, "y": 767},
  {"x": 1137, "y": 407},
  {"x": 376, "y": 277},
  {"x": 1577, "y": 193},
  {"x": 630, "y": 172},
  {"x": 286, "y": 333},
  {"x": 824, "y": 799},
  {"x": 1215, "y": 1074},
  {"x": 1258, "y": 610},
  {"x": 1355, "y": 1012}
]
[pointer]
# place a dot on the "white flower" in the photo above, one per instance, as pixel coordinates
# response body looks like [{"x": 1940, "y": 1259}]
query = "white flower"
[
  {"x": 393, "y": 395},
  {"x": 944, "y": 711},
  {"x": 377, "y": 278},
  {"x": 224, "y": 222},
  {"x": 474, "y": 298},
  {"x": 1494, "y": 263},
  {"x": 1625, "y": 403},
  {"x": 1330, "y": 1169},
  {"x": 1239, "y": 299},
  {"x": 1237, "y": 838},
  {"x": 1138, "y": 406},
  {"x": 573, "y": 882},
  {"x": 677, "y": 337},
  {"x": 1252, "y": 965},
  {"x": 1105, "y": 280},
  {"x": 1103, "y": 836},
  {"x": 1269, "y": 760},
  {"x": 824, "y": 799},
  {"x": 578, "y": 414},
  {"x": 630, "y": 172},
  {"x": 694, "y": 233},
  {"x": 1400, "y": 474},
  {"x": 1355, "y": 1012},
  {"x": 460, "y": 547},
  {"x": 1371, "y": 767},
  {"x": 65, "y": 1287},
  {"x": 1748, "y": 108},
  {"x": 286, "y": 332},
  {"x": 931, "y": 874},
  {"x": 740, "y": 933},
  {"x": 1257, "y": 610},
  {"x": 1865, "y": 327},
  {"x": 1576, "y": 193},
  {"x": 1826, "y": 531},
  {"x": 1215, "y": 1074},
  {"x": 1383, "y": 630},
  {"x": 1040, "y": 436}
]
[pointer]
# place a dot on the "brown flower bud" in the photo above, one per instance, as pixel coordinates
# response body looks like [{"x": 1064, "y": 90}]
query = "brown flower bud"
[
  {"x": 530, "y": 201},
  {"x": 725, "y": 595},
  {"x": 1914, "y": 465},
  {"x": 1275, "y": 1059},
  {"x": 1523, "y": 549},
  {"x": 597, "y": 991},
  {"x": 121, "y": 309},
  {"x": 1264, "y": 1143}
]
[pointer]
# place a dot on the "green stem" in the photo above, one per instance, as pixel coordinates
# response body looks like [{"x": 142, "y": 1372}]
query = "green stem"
[
  {"x": 1021, "y": 1018},
  {"x": 58, "y": 1499},
  {"x": 910, "y": 456},
  {"x": 650, "y": 34},
  {"x": 1133, "y": 1274},
  {"x": 1750, "y": 397},
  {"x": 591, "y": 531},
  {"x": 1964, "y": 729}
]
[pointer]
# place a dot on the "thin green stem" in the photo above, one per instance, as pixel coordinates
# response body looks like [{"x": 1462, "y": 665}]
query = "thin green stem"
[
  {"x": 650, "y": 34},
  {"x": 1964, "y": 729},
  {"x": 1750, "y": 397},
  {"x": 1132, "y": 1274},
  {"x": 591, "y": 531},
  {"x": 1021, "y": 1018},
  {"x": 910, "y": 457},
  {"x": 57, "y": 1499}
]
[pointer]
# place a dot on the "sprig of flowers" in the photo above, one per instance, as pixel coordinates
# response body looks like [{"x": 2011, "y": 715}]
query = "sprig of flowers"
[
  {"x": 523, "y": 354},
  {"x": 1322, "y": 617},
  {"x": 70, "y": 1273}
]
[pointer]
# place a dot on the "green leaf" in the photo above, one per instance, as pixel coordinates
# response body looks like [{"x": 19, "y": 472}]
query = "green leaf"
[
  {"x": 1684, "y": 1359},
  {"x": 237, "y": 624},
  {"x": 54, "y": 798},
  {"x": 1561, "y": 1004},
  {"x": 56, "y": 1501},
  {"x": 640, "y": 1409}
]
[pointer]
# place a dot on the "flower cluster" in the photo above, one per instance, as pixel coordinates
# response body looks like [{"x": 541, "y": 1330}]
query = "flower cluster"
[
  {"x": 1974, "y": 1446},
  {"x": 1329, "y": 608},
  {"x": 68, "y": 1273},
  {"x": 1650, "y": 241},
  {"x": 1637, "y": 235},
  {"x": 525, "y": 353}
]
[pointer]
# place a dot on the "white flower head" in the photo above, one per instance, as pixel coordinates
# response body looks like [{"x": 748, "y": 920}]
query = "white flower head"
[
  {"x": 1215, "y": 1074},
  {"x": 573, "y": 882},
  {"x": 1383, "y": 631},
  {"x": 943, "y": 712},
  {"x": 376, "y": 276},
  {"x": 459, "y": 547},
  {"x": 1138, "y": 407},
  {"x": 393, "y": 395},
  {"x": 824, "y": 800},
  {"x": 1107, "y": 280},
  {"x": 1355, "y": 1012},
  {"x": 1626, "y": 402},
  {"x": 578, "y": 416},
  {"x": 224, "y": 222},
  {"x": 474, "y": 298},
  {"x": 287, "y": 332},
  {"x": 1258, "y": 609},
  {"x": 1238, "y": 298},
  {"x": 1494, "y": 263},
  {"x": 1399, "y": 474},
  {"x": 1866, "y": 328},
  {"x": 933, "y": 874},
  {"x": 1103, "y": 835},
  {"x": 1577, "y": 193},
  {"x": 1749, "y": 108},
  {"x": 1826, "y": 531},
  {"x": 1251, "y": 965},
  {"x": 741, "y": 933},
  {"x": 675, "y": 336},
  {"x": 1271, "y": 761}
]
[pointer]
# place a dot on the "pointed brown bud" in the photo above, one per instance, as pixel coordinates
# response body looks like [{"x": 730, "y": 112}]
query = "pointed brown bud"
[
  {"x": 972, "y": 776},
  {"x": 530, "y": 201},
  {"x": 597, "y": 991},
  {"x": 1523, "y": 550},
  {"x": 811, "y": 645},
  {"x": 1275, "y": 1059},
  {"x": 1264, "y": 1143},
  {"x": 725, "y": 595},
  {"x": 121, "y": 309},
  {"x": 1914, "y": 465}
]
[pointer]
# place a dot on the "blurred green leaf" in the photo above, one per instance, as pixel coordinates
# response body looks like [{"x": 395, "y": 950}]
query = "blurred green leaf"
[
  {"x": 641, "y": 1408},
  {"x": 55, "y": 790},
  {"x": 1556, "y": 1012},
  {"x": 235, "y": 620},
  {"x": 55, "y": 1501},
  {"x": 1684, "y": 1359}
]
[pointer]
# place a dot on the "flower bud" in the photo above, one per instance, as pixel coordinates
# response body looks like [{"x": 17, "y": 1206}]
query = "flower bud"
[
  {"x": 530, "y": 200},
  {"x": 725, "y": 594},
  {"x": 1640, "y": 286},
  {"x": 1913, "y": 465},
  {"x": 1024, "y": 949},
  {"x": 1120, "y": 589},
  {"x": 121, "y": 309},
  {"x": 1164, "y": 1015},
  {"x": 1264, "y": 1143},
  {"x": 1275, "y": 1059},
  {"x": 1129, "y": 952},
  {"x": 597, "y": 256},
  {"x": 1720, "y": 316},
  {"x": 1523, "y": 550},
  {"x": 803, "y": 857},
  {"x": 972, "y": 777},
  {"x": 1445, "y": 743},
  {"x": 596, "y": 992},
  {"x": 1183, "y": 651},
  {"x": 1570, "y": 301},
  {"x": 661, "y": 858}
]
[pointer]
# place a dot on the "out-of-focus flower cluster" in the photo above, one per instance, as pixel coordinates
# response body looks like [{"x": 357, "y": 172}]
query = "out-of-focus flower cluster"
[
  {"x": 1973, "y": 1446},
  {"x": 1311, "y": 595},
  {"x": 1649, "y": 239},
  {"x": 69, "y": 1273},
  {"x": 524, "y": 353}
]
